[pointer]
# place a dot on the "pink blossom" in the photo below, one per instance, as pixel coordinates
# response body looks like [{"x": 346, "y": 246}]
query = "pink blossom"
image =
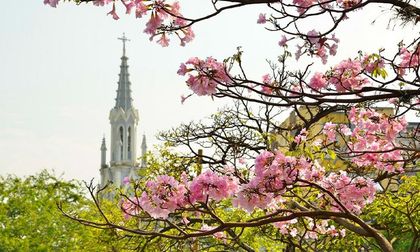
[
  {"x": 130, "y": 207},
  {"x": 185, "y": 220},
  {"x": 312, "y": 173},
  {"x": 273, "y": 173},
  {"x": 163, "y": 41},
  {"x": 267, "y": 83},
  {"x": 346, "y": 131},
  {"x": 101, "y": 2},
  {"x": 372, "y": 62},
  {"x": 313, "y": 36},
  {"x": 175, "y": 7},
  {"x": 298, "y": 52},
  {"x": 261, "y": 19},
  {"x": 263, "y": 160},
  {"x": 217, "y": 235},
  {"x": 303, "y": 5},
  {"x": 354, "y": 194},
  {"x": 282, "y": 226},
  {"x": 334, "y": 38},
  {"x": 329, "y": 131},
  {"x": 188, "y": 36},
  {"x": 251, "y": 196},
  {"x": 372, "y": 132},
  {"x": 113, "y": 13},
  {"x": 346, "y": 4},
  {"x": 293, "y": 232},
  {"x": 52, "y": 3},
  {"x": 154, "y": 22},
  {"x": 183, "y": 69},
  {"x": 220, "y": 235},
  {"x": 141, "y": 9},
  {"x": 317, "y": 45},
  {"x": 183, "y": 98},
  {"x": 283, "y": 41},
  {"x": 205, "y": 75},
  {"x": 311, "y": 235},
  {"x": 347, "y": 76},
  {"x": 333, "y": 49},
  {"x": 163, "y": 196},
  {"x": 209, "y": 185},
  {"x": 128, "y": 6},
  {"x": 409, "y": 59},
  {"x": 393, "y": 101},
  {"x": 126, "y": 180},
  {"x": 301, "y": 137},
  {"x": 322, "y": 53},
  {"x": 318, "y": 81}
]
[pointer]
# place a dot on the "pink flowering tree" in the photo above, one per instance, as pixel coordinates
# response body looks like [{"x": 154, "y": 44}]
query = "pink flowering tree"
[{"x": 302, "y": 158}]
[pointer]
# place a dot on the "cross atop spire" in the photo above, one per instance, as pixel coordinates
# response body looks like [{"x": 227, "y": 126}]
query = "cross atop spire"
[
  {"x": 123, "y": 99},
  {"x": 124, "y": 39}
]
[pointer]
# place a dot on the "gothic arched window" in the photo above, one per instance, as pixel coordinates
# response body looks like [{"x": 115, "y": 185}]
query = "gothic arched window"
[
  {"x": 129, "y": 142},
  {"x": 121, "y": 142}
]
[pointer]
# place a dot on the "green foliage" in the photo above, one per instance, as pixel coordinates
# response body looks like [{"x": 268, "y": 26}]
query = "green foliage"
[
  {"x": 168, "y": 162},
  {"x": 396, "y": 213},
  {"x": 31, "y": 221}
]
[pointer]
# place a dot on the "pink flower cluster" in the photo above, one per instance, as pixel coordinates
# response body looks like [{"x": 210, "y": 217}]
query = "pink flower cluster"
[
  {"x": 52, "y": 3},
  {"x": 303, "y": 5},
  {"x": 409, "y": 60},
  {"x": 208, "y": 74},
  {"x": 372, "y": 62},
  {"x": 217, "y": 235},
  {"x": 159, "y": 10},
  {"x": 318, "y": 81},
  {"x": 354, "y": 194},
  {"x": 346, "y": 76},
  {"x": 165, "y": 194},
  {"x": 268, "y": 82},
  {"x": 130, "y": 207},
  {"x": 373, "y": 141},
  {"x": 346, "y": 4},
  {"x": 320, "y": 228},
  {"x": 261, "y": 19},
  {"x": 301, "y": 137},
  {"x": 209, "y": 185},
  {"x": 273, "y": 173},
  {"x": 329, "y": 131},
  {"x": 318, "y": 46}
]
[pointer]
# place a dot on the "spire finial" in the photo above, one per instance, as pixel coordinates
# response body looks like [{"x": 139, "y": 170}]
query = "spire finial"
[
  {"x": 123, "y": 92},
  {"x": 124, "y": 39}
]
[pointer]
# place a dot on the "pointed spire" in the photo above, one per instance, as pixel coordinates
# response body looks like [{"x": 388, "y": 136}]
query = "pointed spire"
[
  {"x": 103, "y": 153},
  {"x": 143, "y": 151},
  {"x": 103, "y": 145},
  {"x": 124, "y": 99}
]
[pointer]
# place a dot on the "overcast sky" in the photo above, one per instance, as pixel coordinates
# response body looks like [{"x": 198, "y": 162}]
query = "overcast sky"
[{"x": 59, "y": 71}]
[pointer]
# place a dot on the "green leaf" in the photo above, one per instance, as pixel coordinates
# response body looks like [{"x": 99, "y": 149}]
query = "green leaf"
[{"x": 332, "y": 154}]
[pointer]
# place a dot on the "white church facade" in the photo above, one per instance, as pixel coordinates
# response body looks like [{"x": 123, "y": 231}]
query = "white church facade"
[{"x": 124, "y": 119}]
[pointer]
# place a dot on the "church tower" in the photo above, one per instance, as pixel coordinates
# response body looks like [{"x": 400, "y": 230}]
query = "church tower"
[{"x": 124, "y": 119}]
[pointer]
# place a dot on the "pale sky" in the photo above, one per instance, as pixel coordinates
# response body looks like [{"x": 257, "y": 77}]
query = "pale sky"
[{"x": 59, "y": 71}]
